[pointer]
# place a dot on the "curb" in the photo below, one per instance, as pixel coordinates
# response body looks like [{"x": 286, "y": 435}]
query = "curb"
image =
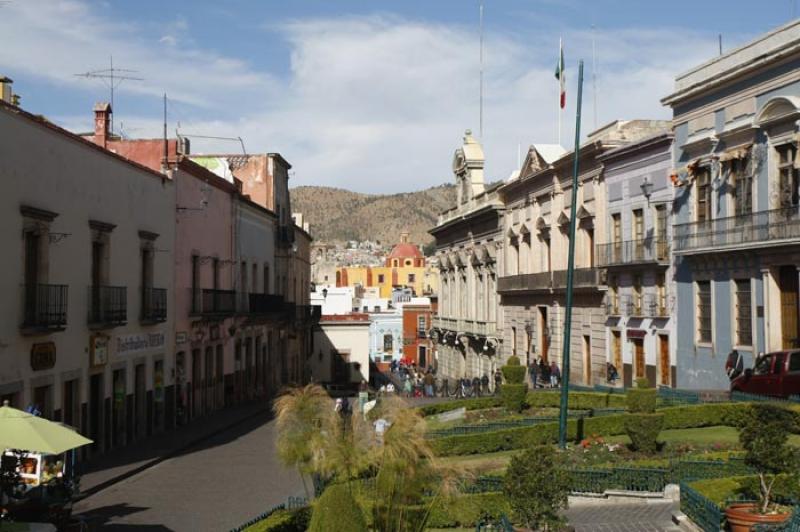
[{"x": 85, "y": 494}]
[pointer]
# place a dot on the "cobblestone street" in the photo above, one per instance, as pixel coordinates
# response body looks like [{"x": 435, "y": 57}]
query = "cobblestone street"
[
  {"x": 216, "y": 485},
  {"x": 634, "y": 516}
]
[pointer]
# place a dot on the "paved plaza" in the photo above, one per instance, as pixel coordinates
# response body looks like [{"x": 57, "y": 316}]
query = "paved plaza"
[{"x": 634, "y": 516}]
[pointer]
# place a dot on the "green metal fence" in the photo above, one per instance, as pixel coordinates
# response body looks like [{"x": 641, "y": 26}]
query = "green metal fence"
[{"x": 702, "y": 511}]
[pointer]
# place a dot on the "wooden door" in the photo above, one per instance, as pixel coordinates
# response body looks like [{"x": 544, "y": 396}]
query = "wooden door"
[
  {"x": 789, "y": 293},
  {"x": 663, "y": 358},
  {"x": 616, "y": 349},
  {"x": 638, "y": 357},
  {"x": 544, "y": 336},
  {"x": 587, "y": 360}
]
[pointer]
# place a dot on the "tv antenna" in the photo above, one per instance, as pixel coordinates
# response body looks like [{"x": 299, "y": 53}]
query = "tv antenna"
[{"x": 111, "y": 78}]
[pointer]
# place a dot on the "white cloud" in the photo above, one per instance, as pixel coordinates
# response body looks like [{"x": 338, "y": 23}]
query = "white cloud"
[{"x": 374, "y": 104}]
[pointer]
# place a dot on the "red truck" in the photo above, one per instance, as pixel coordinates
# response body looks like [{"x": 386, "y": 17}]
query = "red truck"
[{"x": 776, "y": 374}]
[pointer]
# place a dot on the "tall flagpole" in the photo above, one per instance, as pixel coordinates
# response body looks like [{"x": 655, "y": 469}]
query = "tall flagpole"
[
  {"x": 559, "y": 94},
  {"x": 562, "y": 415},
  {"x": 480, "y": 130}
]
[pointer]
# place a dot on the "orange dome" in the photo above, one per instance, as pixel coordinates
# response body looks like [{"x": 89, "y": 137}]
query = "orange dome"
[{"x": 405, "y": 250}]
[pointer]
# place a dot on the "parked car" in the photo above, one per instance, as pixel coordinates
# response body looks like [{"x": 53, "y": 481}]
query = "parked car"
[{"x": 776, "y": 374}]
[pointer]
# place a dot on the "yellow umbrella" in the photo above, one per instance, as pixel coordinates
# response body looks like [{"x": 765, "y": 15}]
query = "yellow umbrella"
[{"x": 20, "y": 430}]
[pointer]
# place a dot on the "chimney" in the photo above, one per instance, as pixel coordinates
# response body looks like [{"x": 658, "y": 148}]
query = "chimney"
[
  {"x": 5, "y": 90},
  {"x": 102, "y": 123}
]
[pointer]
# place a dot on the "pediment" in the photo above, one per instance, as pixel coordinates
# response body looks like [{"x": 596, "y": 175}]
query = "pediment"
[{"x": 778, "y": 109}]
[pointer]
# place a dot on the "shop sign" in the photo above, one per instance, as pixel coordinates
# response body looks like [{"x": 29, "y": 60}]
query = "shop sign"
[
  {"x": 98, "y": 350},
  {"x": 135, "y": 343},
  {"x": 181, "y": 337},
  {"x": 43, "y": 356},
  {"x": 636, "y": 333}
]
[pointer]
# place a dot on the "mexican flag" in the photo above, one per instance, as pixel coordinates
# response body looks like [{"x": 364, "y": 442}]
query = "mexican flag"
[{"x": 560, "y": 76}]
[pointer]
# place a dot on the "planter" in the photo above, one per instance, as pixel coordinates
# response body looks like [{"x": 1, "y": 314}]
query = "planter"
[{"x": 741, "y": 517}]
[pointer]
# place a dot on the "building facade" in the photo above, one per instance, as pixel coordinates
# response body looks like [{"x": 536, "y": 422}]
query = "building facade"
[
  {"x": 385, "y": 338},
  {"x": 87, "y": 337},
  {"x": 737, "y": 231},
  {"x": 469, "y": 251},
  {"x": 341, "y": 350},
  {"x": 635, "y": 252},
  {"x": 417, "y": 343}
]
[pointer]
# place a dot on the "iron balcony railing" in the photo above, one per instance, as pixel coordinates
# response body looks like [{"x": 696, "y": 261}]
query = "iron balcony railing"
[
  {"x": 476, "y": 327},
  {"x": 643, "y": 251},
  {"x": 644, "y": 306},
  {"x": 763, "y": 227},
  {"x": 154, "y": 305},
  {"x": 583, "y": 278},
  {"x": 265, "y": 303},
  {"x": 108, "y": 305},
  {"x": 207, "y": 301},
  {"x": 45, "y": 306}
]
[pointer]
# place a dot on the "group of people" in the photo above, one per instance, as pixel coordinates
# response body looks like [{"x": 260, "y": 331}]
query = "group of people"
[
  {"x": 417, "y": 381},
  {"x": 544, "y": 375}
]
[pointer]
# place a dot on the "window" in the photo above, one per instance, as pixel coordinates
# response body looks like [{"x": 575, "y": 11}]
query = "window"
[
  {"x": 787, "y": 175},
  {"x": 744, "y": 323},
  {"x": 408, "y": 262},
  {"x": 794, "y": 362},
  {"x": 613, "y": 295},
  {"x": 376, "y": 308},
  {"x": 661, "y": 232},
  {"x": 514, "y": 341},
  {"x": 637, "y": 295},
  {"x": 380, "y": 278},
  {"x": 387, "y": 343},
  {"x": 265, "y": 286},
  {"x": 661, "y": 293},
  {"x": 638, "y": 233},
  {"x": 215, "y": 274},
  {"x": 254, "y": 279},
  {"x": 412, "y": 278},
  {"x": 741, "y": 187},
  {"x": 616, "y": 235},
  {"x": 778, "y": 365},
  {"x": 703, "y": 195},
  {"x": 704, "y": 311},
  {"x": 763, "y": 365},
  {"x": 421, "y": 326}
]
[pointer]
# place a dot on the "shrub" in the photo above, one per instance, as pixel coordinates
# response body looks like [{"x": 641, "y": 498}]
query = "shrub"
[
  {"x": 721, "y": 490},
  {"x": 469, "y": 404},
  {"x": 467, "y": 510},
  {"x": 513, "y": 360},
  {"x": 514, "y": 374},
  {"x": 643, "y": 430},
  {"x": 642, "y": 382},
  {"x": 514, "y": 396},
  {"x": 577, "y": 400},
  {"x": 284, "y": 521},
  {"x": 537, "y": 485},
  {"x": 337, "y": 511},
  {"x": 642, "y": 400},
  {"x": 764, "y": 438}
]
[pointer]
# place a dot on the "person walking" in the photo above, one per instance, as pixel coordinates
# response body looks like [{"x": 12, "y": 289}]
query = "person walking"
[
  {"x": 408, "y": 386},
  {"x": 533, "y": 371},
  {"x": 429, "y": 381},
  {"x": 544, "y": 373},
  {"x": 498, "y": 380},
  {"x": 555, "y": 374},
  {"x": 485, "y": 383}
]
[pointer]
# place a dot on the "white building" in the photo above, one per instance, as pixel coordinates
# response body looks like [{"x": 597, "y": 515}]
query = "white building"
[
  {"x": 333, "y": 299},
  {"x": 341, "y": 349}
]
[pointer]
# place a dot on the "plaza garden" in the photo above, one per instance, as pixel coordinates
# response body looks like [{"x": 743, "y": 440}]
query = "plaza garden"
[{"x": 496, "y": 465}]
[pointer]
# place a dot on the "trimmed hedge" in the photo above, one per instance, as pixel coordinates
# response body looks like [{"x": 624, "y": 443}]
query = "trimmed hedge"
[
  {"x": 720, "y": 490},
  {"x": 470, "y": 404},
  {"x": 514, "y": 374},
  {"x": 642, "y": 400},
  {"x": 514, "y": 396},
  {"x": 467, "y": 510},
  {"x": 577, "y": 400},
  {"x": 336, "y": 511},
  {"x": 284, "y": 521},
  {"x": 643, "y": 430}
]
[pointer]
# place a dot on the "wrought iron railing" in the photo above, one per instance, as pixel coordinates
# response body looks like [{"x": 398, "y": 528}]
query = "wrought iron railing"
[
  {"x": 207, "y": 301},
  {"x": 154, "y": 305},
  {"x": 108, "y": 305},
  {"x": 477, "y": 327},
  {"x": 723, "y": 233},
  {"x": 265, "y": 303},
  {"x": 45, "y": 306},
  {"x": 642, "y": 251},
  {"x": 555, "y": 280}
]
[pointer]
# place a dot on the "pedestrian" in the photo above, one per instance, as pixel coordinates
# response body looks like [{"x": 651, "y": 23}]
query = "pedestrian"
[
  {"x": 476, "y": 386},
  {"x": 429, "y": 381},
  {"x": 498, "y": 380},
  {"x": 555, "y": 374},
  {"x": 533, "y": 371},
  {"x": 485, "y": 383},
  {"x": 408, "y": 386}
]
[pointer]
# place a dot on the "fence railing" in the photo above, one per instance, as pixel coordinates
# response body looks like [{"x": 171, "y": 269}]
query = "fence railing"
[
  {"x": 45, "y": 306},
  {"x": 108, "y": 305},
  {"x": 703, "y": 512},
  {"x": 642, "y": 251},
  {"x": 154, "y": 305},
  {"x": 212, "y": 301},
  {"x": 763, "y": 226}
]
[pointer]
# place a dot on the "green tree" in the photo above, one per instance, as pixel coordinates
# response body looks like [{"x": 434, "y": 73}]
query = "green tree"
[
  {"x": 764, "y": 437},
  {"x": 537, "y": 487}
]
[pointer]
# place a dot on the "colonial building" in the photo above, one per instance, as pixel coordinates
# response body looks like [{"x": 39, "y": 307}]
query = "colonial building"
[
  {"x": 469, "y": 247},
  {"x": 417, "y": 343},
  {"x": 341, "y": 350},
  {"x": 536, "y": 243},
  {"x": 635, "y": 250},
  {"x": 87, "y": 329},
  {"x": 737, "y": 233}
]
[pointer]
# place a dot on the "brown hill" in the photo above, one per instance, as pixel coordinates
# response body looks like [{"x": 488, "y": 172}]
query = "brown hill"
[{"x": 340, "y": 215}]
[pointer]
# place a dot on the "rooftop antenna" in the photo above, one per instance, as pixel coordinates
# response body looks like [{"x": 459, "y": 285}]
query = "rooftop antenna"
[
  {"x": 594, "y": 78},
  {"x": 112, "y": 78},
  {"x": 480, "y": 127}
]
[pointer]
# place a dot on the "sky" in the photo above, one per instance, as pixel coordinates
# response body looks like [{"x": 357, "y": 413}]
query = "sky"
[{"x": 368, "y": 95}]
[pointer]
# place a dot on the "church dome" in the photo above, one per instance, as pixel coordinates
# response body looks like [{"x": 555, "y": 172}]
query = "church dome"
[{"x": 404, "y": 251}]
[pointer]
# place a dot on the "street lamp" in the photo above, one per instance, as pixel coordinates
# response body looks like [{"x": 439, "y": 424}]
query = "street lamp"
[{"x": 647, "y": 187}]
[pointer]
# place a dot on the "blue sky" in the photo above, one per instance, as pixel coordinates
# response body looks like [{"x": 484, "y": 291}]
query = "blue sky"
[{"x": 372, "y": 96}]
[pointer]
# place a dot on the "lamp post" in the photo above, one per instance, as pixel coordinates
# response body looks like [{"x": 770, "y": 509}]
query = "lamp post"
[{"x": 647, "y": 188}]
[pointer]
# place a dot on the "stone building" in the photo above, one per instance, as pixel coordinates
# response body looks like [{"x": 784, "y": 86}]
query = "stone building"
[
  {"x": 469, "y": 251},
  {"x": 88, "y": 315},
  {"x": 635, "y": 253},
  {"x": 535, "y": 246},
  {"x": 737, "y": 195}
]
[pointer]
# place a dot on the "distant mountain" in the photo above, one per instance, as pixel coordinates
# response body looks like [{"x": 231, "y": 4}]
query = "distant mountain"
[{"x": 341, "y": 215}]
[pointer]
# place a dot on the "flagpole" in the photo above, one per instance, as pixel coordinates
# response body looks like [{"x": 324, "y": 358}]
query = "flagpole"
[
  {"x": 565, "y": 355},
  {"x": 560, "y": 49}
]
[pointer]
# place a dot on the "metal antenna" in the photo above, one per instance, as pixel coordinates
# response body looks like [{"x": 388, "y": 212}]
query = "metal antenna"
[
  {"x": 594, "y": 78},
  {"x": 480, "y": 127},
  {"x": 112, "y": 79}
]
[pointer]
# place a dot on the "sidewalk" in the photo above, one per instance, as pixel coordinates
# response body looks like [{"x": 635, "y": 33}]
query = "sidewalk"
[{"x": 115, "y": 466}]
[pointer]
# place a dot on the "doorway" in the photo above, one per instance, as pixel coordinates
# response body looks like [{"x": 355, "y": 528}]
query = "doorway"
[
  {"x": 422, "y": 358},
  {"x": 96, "y": 411},
  {"x": 587, "y": 360},
  {"x": 544, "y": 336},
  {"x": 789, "y": 313},
  {"x": 638, "y": 357},
  {"x": 197, "y": 383},
  {"x": 663, "y": 360},
  {"x": 118, "y": 408},
  {"x": 139, "y": 402}
]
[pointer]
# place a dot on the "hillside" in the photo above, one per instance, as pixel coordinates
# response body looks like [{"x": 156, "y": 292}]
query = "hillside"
[{"x": 340, "y": 215}]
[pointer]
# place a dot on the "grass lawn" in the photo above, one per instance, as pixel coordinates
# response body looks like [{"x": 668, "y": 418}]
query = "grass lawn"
[
  {"x": 701, "y": 436},
  {"x": 480, "y": 463}
]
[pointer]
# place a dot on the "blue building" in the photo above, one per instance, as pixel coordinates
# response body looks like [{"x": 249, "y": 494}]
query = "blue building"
[
  {"x": 736, "y": 238},
  {"x": 385, "y": 337}
]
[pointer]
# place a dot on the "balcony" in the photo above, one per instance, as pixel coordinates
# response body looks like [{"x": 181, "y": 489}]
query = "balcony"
[
  {"x": 583, "y": 279},
  {"x": 154, "y": 305},
  {"x": 612, "y": 306},
  {"x": 633, "y": 252},
  {"x": 108, "y": 306},
  {"x": 645, "y": 306},
  {"x": 758, "y": 229},
  {"x": 45, "y": 308},
  {"x": 211, "y": 302},
  {"x": 474, "y": 327},
  {"x": 261, "y": 304}
]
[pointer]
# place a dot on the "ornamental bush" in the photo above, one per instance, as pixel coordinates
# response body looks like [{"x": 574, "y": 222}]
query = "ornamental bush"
[
  {"x": 642, "y": 400},
  {"x": 537, "y": 485},
  {"x": 514, "y": 396},
  {"x": 337, "y": 511},
  {"x": 513, "y": 360},
  {"x": 643, "y": 430},
  {"x": 514, "y": 374}
]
